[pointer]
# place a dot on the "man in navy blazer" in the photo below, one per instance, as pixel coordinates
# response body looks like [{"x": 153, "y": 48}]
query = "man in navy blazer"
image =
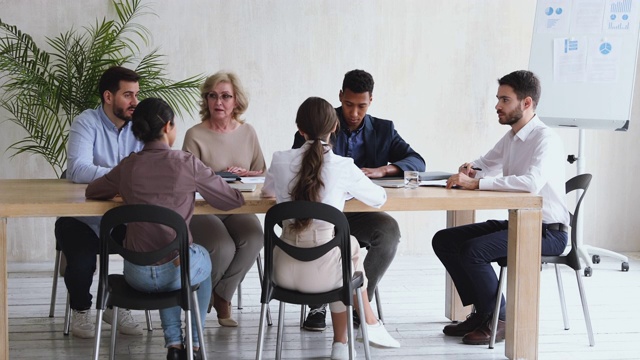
[{"x": 377, "y": 148}]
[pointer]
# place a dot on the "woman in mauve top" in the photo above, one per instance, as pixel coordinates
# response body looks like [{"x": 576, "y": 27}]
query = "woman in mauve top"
[{"x": 170, "y": 178}]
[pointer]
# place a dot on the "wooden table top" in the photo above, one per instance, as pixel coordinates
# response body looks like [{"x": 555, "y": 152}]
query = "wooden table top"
[{"x": 54, "y": 197}]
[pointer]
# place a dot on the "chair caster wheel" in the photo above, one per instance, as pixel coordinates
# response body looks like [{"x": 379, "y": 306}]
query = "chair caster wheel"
[
  {"x": 588, "y": 272},
  {"x": 625, "y": 266},
  {"x": 595, "y": 259}
]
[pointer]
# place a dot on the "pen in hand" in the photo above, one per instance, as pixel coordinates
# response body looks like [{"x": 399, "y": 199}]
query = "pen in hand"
[{"x": 471, "y": 167}]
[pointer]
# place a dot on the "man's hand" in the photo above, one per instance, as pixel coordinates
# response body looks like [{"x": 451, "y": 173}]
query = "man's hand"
[
  {"x": 382, "y": 171},
  {"x": 463, "y": 181}
]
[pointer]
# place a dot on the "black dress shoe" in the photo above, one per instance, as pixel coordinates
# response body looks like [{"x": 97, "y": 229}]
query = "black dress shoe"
[
  {"x": 176, "y": 354},
  {"x": 471, "y": 323}
]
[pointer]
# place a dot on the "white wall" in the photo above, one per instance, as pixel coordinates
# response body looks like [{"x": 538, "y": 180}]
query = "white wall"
[{"x": 435, "y": 65}]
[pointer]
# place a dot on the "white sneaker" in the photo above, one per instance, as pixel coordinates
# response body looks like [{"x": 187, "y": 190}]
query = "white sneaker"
[
  {"x": 379, "y": 336},
  {"x": 340, "y": 351},
  {"x": 81, "y": 324},
  {"x": 126, "y": 324}
]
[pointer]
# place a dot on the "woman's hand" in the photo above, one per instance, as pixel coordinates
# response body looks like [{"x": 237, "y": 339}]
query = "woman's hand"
[{"x": 244, "y": 172}]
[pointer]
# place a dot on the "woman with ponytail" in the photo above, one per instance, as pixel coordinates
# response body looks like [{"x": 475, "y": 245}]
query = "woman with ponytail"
[
  {"x": 160, "y": 176},
  {"x": 314, "y": 173}
]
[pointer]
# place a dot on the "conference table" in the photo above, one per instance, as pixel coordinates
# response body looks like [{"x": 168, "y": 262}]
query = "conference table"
[{"x": 53, "y": 197}]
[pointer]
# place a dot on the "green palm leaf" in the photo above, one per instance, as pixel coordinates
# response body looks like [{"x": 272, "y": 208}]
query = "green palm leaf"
[{"x": 44, "y": 91}]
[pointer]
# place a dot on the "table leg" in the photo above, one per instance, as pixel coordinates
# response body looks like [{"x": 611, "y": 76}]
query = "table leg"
[
  {"x": 4, "y": 308},
  {"x": 523, "y": 284},
  {"x": 453, "y": 308}
]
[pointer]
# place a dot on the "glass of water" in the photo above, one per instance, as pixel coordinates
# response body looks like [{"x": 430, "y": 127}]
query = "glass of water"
[{"x": 411, "y": 179}]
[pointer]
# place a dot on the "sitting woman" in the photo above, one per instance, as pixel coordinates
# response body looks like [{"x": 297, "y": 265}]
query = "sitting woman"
[
  {"x": 314, "y": 173},
  {"x": 160, "y": 176},
  {"x": 226, "y": 142}
]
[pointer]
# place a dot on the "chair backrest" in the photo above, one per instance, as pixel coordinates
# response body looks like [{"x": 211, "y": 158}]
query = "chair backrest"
[
  {"x": 578, "y": 182},
  {"x": 306, "y": 210},
  {"x": 110, "y": 239}
]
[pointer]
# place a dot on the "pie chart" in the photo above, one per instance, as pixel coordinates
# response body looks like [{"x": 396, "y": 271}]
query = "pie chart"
[{"x": 605, "y": 48}]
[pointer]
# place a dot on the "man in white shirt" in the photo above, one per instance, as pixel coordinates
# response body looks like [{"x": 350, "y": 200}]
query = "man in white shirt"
[{"x": 530, "y": 157}]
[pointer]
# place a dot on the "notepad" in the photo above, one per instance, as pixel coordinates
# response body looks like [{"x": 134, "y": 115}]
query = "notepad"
[
  {"x": 434, "y": 175},
  {"x": 243, "y": 187}
]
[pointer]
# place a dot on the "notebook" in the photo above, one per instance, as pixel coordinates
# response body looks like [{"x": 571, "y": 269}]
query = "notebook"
[
  {"x": 228, "y": 176},
  {"x": 434, "y": 175},
  {"x": 387, "y": 183},
  {"x": 243, "y": 187}
]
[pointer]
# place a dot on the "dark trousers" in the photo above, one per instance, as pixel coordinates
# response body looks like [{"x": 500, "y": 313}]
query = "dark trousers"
[
  {"x": 80, "y": 245},
  {"x": 380, "y": 233},
  {"x": 467, "y": 252}
]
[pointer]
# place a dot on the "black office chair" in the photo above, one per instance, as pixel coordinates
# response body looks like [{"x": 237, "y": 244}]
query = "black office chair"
[
  {"x": 571, "y": 259},
  {"x": 309, "y": 210},
  {"x": 113, "y": 290},
  {"x": 54, "y": 287}
]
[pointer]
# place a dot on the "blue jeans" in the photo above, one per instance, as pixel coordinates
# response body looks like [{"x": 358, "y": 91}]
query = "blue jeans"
[{"x": 166, "y": 277}]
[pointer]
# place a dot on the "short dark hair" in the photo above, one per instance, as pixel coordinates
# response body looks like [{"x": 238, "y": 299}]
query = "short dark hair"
[
  {"x": 149, "y": 117},
  {"x": 110, "y": 79},
  {"x": 358, "y": 81},
  {"x": 524, "y": 83}
]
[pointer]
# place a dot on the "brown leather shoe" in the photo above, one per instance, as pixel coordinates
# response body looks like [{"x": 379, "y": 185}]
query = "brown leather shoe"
[
  {"x": 223, "y": 308},
  {"x": 471, "y": 323},
  {"x": 482, "y": 335}
]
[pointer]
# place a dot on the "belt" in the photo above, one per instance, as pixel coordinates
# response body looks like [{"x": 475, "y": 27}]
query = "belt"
[{"x": 556, "y": 227}]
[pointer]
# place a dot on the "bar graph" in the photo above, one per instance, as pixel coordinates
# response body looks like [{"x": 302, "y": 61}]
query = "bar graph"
[{"x": 623, "y": 6}]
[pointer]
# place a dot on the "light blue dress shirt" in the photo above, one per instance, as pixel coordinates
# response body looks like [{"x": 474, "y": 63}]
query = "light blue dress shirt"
[{"x": 95, "y": 146}]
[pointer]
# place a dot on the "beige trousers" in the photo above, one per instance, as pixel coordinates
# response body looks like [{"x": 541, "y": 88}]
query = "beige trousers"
[{"x": 320, "y": 275}]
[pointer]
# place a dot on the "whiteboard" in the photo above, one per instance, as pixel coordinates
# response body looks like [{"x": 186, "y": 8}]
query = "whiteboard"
[{"x": 585, "y": 54}]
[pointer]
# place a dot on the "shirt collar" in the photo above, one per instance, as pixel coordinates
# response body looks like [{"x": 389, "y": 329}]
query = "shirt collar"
[{"x": 528, "y": 129}]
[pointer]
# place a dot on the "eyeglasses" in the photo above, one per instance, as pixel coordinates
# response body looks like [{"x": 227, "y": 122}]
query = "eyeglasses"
[{"x": 223, "y": 97}]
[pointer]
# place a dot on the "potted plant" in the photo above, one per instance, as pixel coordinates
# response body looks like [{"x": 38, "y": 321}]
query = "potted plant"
[{"x": 43, "y": 91}]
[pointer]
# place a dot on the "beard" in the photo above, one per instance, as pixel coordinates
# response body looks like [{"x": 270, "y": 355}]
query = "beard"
[
  {"x": 512, "y": 117},
  {"x": 120, "y": 113}
]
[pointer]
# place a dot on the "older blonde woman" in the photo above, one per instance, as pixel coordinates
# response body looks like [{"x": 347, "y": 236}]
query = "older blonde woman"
[{"x": 225, "y": 142}]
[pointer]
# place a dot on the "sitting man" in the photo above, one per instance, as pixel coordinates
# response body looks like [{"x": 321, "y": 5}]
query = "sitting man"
[
  {"x": 378, "y": 150},
  {"x": 98, "y": 140},
  {"x": 529, "y": 157}
]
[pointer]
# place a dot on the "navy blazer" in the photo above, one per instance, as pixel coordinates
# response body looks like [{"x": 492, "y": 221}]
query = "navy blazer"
[{"x": 383, "y": 145}]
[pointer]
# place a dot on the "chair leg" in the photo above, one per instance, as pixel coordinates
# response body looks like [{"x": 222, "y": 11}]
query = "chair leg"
[
  {"x": 350, "y": 342},
  {"x": 363, "y": 328},
  {"x": 96, "y": 342},
  {"x": 585, "y": 309},
  {"x": 67, "y": 316},
  {"x": 260, "y": 277},
  {"x": 496, "y": 310},
  {"x": 114, "y": 331},
  {"x": 199, "y": 324},
  {"x": 147, "y": 314},
  {"x": 280, "y": 331},
  {"x": 189, "y": 335},
  {"x": 263, "y": 311},
  {"x": 563, "y": 303},
  {"x": 303, "y": 313},
  {"x": 239, "y": 290},
  {"x": 378, "y": 305},
  {"x": 54, "y": 286}
]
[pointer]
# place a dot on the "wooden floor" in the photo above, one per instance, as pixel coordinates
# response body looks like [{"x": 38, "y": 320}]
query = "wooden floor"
[{"x": 412, "y": 295}]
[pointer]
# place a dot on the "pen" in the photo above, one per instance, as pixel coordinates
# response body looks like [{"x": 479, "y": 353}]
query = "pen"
[{"x": 473, "y": 168}]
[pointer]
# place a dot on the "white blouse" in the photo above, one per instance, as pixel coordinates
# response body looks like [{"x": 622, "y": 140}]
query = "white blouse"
[{"x": 342, "y": 179}]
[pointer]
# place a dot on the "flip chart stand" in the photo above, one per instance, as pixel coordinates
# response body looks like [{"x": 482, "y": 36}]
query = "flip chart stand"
[{"x": 590, "y": 254}]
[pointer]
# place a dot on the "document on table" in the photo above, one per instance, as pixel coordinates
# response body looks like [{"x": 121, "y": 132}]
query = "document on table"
[
  {"x": 436, "y": 183},
  {"x": 252, "y": 179}
]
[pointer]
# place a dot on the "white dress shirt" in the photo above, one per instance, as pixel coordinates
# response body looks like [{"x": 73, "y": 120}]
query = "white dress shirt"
[
  {"x": 533, "y": 161},
  {"x": 342, "y": 179}
]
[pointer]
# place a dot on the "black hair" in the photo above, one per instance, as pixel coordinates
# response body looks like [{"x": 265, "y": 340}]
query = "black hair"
[
  {"x": 358, "y": 81},
  {"x": 524, "y": 83},
  {"x": 110, "y": 79},
  {"x": 149, "y": 117}
]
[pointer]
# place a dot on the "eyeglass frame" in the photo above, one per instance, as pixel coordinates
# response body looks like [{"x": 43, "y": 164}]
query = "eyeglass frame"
[{"x": 213, "y": 96}]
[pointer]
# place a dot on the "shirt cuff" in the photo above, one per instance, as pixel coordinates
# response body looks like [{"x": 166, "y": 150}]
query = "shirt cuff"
[{"x": 486, "y": 184}]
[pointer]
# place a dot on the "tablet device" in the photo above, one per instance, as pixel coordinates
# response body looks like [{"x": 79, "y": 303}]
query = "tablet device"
[
  {"x": 389, "y": 183},
  {"x": 434, "y": 175},
  {"x": 228, "y": 176}
]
